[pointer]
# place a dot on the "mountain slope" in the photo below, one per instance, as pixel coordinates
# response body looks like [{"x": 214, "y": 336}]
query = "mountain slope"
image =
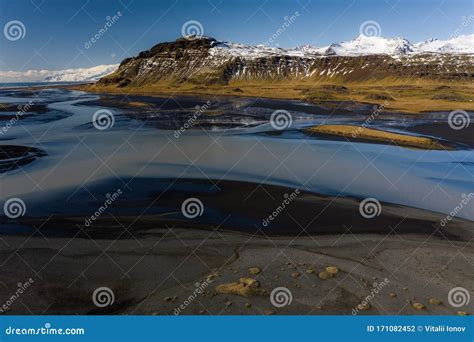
[{"x": 206, "y": 61}]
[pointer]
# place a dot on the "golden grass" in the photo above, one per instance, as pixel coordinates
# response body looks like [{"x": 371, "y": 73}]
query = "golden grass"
[
  {"x": 414, "y": 97},
  {"x": 360, "y": 132}
]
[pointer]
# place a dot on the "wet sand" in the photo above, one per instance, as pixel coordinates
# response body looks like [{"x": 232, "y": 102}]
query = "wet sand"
[{"x": 154, "y": 274}]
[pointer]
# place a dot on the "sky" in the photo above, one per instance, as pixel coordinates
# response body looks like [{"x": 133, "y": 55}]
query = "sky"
[{"x": 56, "y": 32}]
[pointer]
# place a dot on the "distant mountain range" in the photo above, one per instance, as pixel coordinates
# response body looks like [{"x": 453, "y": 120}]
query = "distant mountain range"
[
  {"x": 360, "y": 46},
  {"x": 207, "y": 60},
  {"x": 195, "y": 61},
  {"x": 69, "y": 75}
]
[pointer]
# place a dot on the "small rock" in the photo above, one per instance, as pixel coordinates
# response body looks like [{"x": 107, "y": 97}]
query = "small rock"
[
  {"x": 405, "y": 289},
  {"x": 325, "y": 275},
  {"x": 295, "y": 275},
  {"x": 269, "y": 312},
  {"x": 244, "y": 287},
  {"x": 202, "y": 312},
  {"x": 363, "y": 306},
  {"x": 332, "y": 269},
  {"x": 254, "y": 270},
  {"x": 435, "y": 301},
  {"x": 211, "y": 278},
  {"x": 228, "y": 303},
  {"x": 462, "y": 313},
  {"x": 168, "y": 299},
  {"x": 418, "y": 306},
  {"x": 393, "y": 295},
  {"x": 248, "y": 305},
  {"x": 310, "y": 270}
]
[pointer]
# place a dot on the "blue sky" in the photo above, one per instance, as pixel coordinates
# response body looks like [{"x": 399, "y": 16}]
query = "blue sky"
[{"x": 56, "y": 30}]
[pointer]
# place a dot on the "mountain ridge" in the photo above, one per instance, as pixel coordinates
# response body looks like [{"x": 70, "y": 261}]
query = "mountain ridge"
[{"x": 207, "y": 61}]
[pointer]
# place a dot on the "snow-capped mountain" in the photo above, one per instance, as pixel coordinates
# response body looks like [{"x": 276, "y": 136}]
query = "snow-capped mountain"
[
  {"x": 460, "y": 44},
  {"x": 68, "y": 75},
  {"x": 207, "y": 61},
  {"x": 364, "y": 45},
  {"x": 361, "y": 46}
]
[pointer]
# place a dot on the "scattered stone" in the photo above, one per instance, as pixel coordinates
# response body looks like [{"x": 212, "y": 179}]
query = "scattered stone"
[
  {"x": 325, "y": 275},
  {"x": 405, "y": 289},
  {"x": 435, "y": 301},
  {"x": 269, "y": 312},
  {"x": 418, "y": 306},
  {"x": 248, "y": 305},
  {"x": 462, "y": 313},
  {"x": 254, "y": 270},
  {"x": 393, "y": 295},
  {"x": 211, "y": 278},
  {"x": 244, "y": 287},
  {"x": 332, "y": 269},
  {"x": 363, "y": 306},
  {"x": 295, "y": 275},
  {"x": 228, "y": 303},
  {"x": 202, "y": 312},
  {"x": 310, "y": 270},
  {"x": 168, "y": 299}
]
